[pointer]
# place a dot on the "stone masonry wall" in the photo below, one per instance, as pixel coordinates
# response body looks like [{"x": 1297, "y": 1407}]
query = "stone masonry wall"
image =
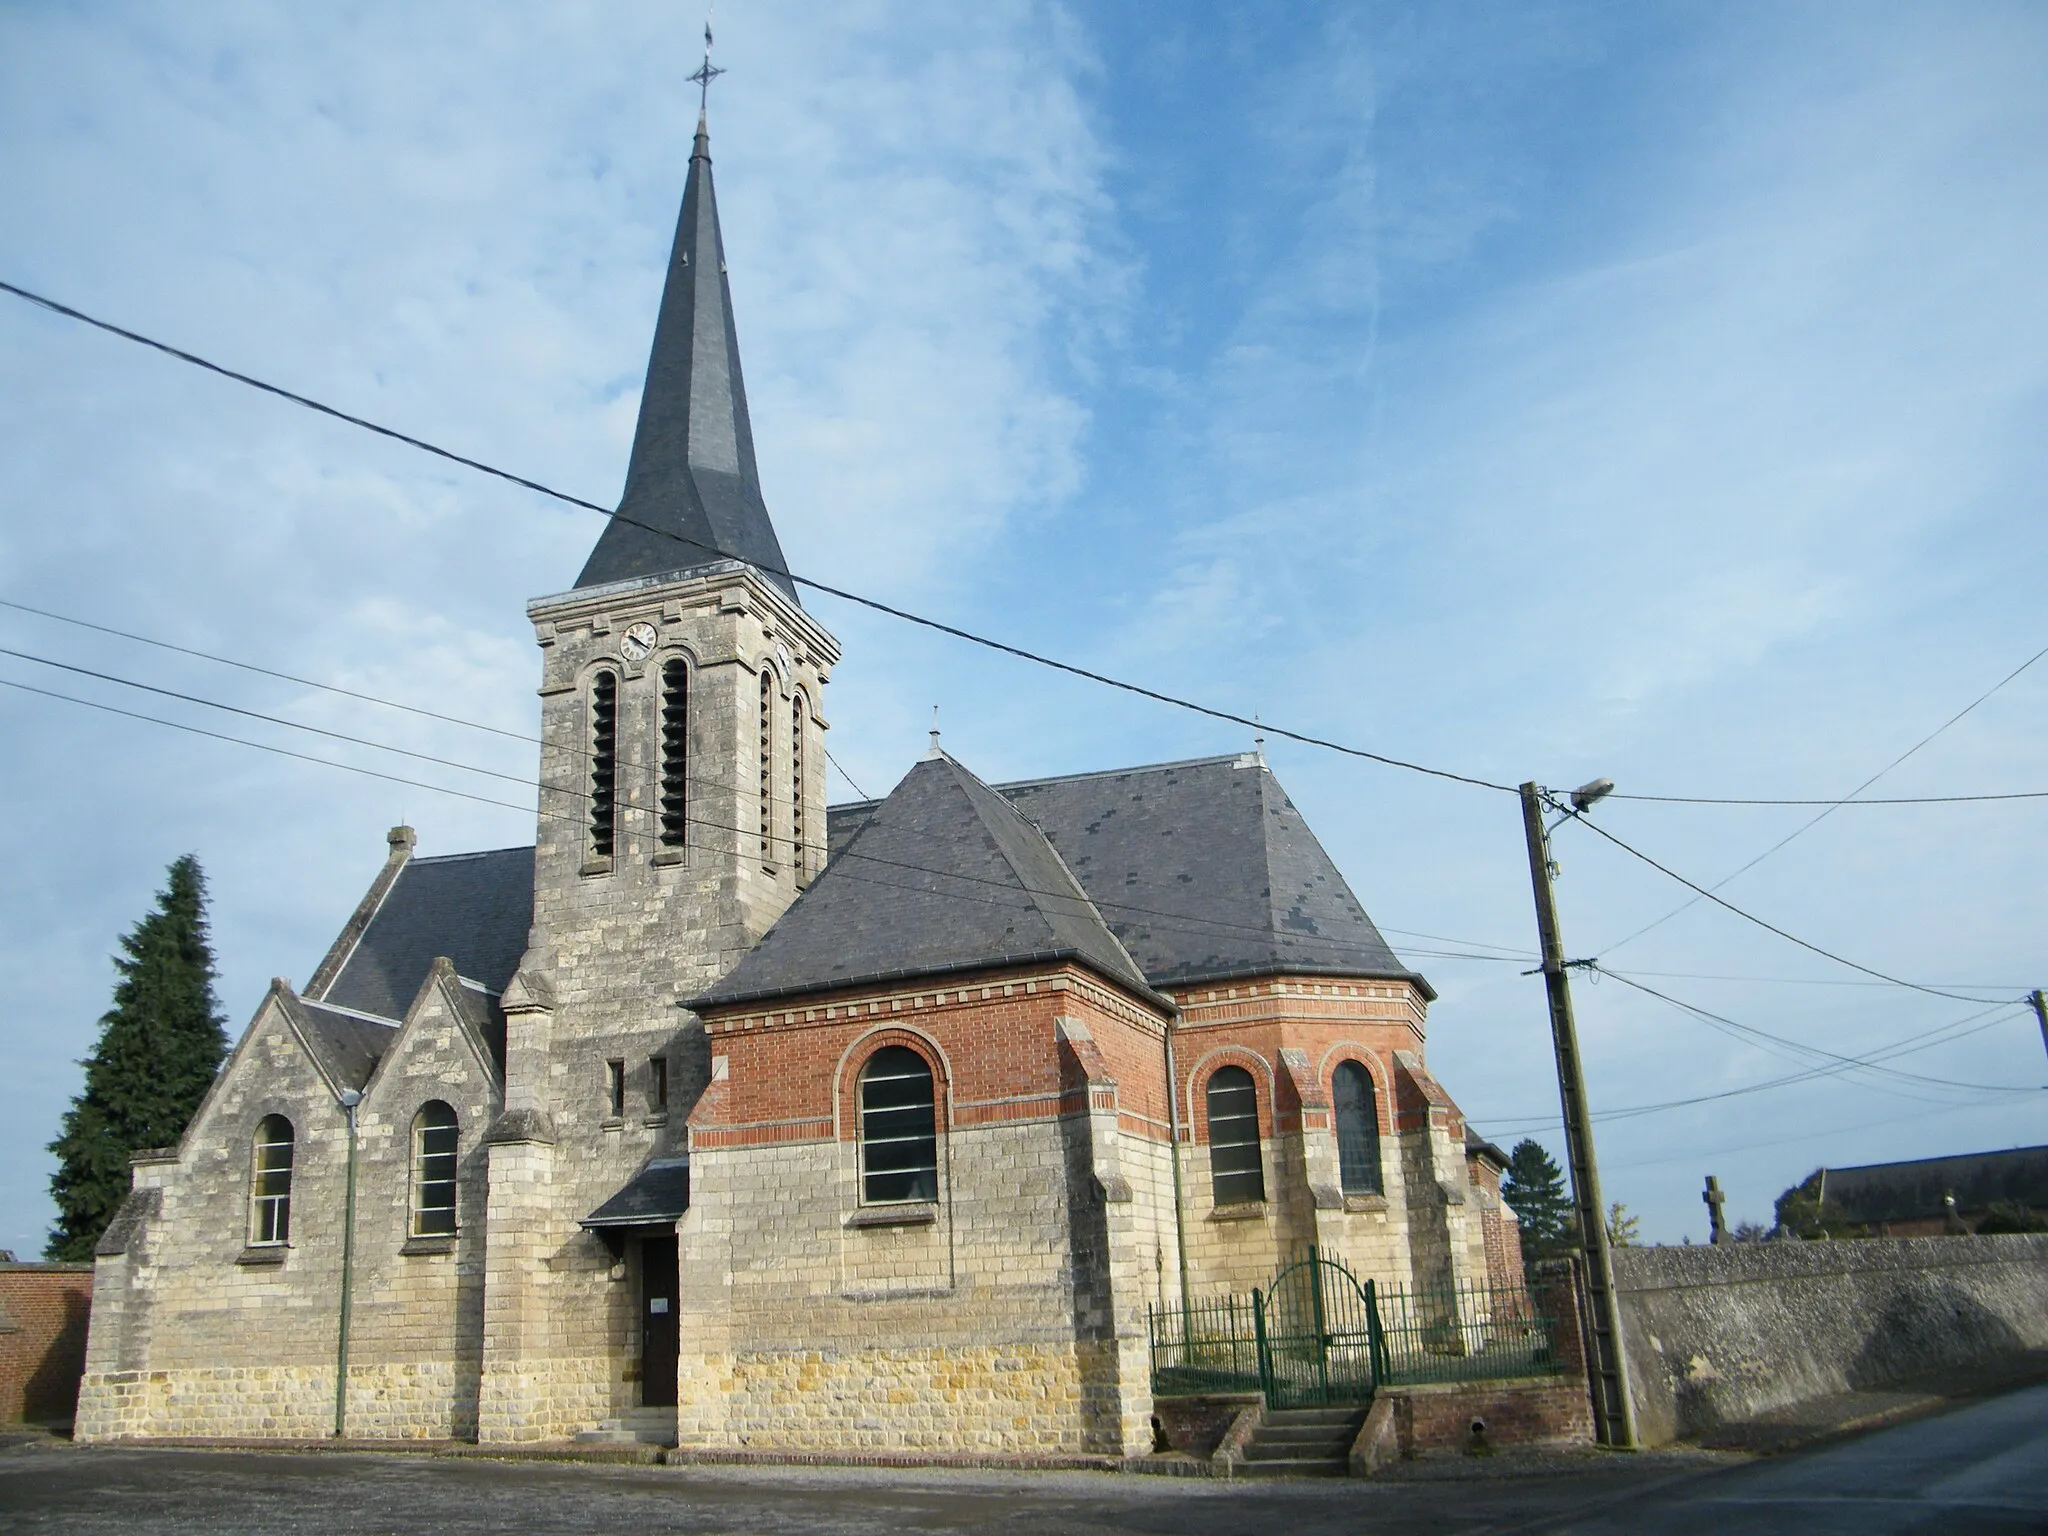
[
  {"x": 1721, "y": 1333},
  {"x": 618, "y": 942},
  {"x": 209, "y": 1335}
]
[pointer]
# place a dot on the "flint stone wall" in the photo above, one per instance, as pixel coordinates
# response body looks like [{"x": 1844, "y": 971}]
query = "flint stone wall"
[{"x": 1720, "y": 1334}]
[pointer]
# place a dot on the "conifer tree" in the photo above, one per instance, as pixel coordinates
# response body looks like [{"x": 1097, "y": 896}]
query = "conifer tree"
[
  {"x": 1534, "y": 1188},
  {"x": 159, "y": 1047}
]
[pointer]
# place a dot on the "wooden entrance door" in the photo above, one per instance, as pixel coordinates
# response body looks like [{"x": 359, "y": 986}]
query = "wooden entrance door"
[{"x": 658, "y": 1337}]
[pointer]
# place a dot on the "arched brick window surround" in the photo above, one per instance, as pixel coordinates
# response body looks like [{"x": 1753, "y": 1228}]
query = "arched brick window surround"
[
  {"x": 846, "y": 1091},
  {"x": 1382, "y": 1079},
  {"x": 1358, "y": 1137},
  {"x": 1194, "y": 1090}
]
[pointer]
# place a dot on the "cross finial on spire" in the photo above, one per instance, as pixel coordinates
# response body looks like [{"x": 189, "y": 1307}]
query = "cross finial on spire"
[{"x": 706, "y": 72}]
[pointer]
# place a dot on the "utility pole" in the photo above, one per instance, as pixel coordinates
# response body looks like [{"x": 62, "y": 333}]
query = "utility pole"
[
  {"x": 1614, "y": 1416},
  {"x": 2041, "y": 1013}
]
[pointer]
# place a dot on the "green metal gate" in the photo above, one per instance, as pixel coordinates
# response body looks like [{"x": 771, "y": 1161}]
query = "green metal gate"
[{"x": 1319, "y": 1337}]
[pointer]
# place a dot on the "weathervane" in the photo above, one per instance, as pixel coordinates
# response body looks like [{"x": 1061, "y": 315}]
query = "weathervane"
[{"x": 707, "y": 71}]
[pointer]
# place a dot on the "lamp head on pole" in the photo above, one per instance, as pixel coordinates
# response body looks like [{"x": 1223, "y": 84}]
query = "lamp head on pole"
[{"x": 1586, "y": 796}]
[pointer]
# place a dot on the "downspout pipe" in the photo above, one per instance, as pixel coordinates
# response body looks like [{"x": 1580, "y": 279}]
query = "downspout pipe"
[
  {"x": 349, "y": 1100},
  {"x": 1180, "y": 1219}
]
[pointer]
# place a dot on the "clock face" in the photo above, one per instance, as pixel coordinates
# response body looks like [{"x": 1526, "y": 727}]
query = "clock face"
[{"x": 637, "y": 643}]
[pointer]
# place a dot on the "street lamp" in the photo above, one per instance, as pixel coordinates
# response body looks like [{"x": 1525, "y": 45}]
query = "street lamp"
[{"x": 1613, "y": 1414}]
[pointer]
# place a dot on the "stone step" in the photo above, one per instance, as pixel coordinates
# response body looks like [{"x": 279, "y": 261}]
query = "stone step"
[
  {"x": 636, "y": 1426},
  {"x": 1295, "y": 1418},
  {"x": 1321, "y": 1467},
  {"x": 1299, "y": 1442}
]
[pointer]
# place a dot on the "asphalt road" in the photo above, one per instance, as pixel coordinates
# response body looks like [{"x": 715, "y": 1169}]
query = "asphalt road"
[{"x": 1981, "y": 1468}]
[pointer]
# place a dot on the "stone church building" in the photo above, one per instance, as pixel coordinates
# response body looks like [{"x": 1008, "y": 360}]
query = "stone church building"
[{"x": 724, "y": 1117}]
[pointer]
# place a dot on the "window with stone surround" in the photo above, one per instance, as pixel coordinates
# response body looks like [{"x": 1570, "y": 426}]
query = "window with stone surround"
[
  {"x": 270, "y": 1183},
  {"x": 657, "y": 1085},
  {"x": 675, "y": 753},
  {"x": 899, "y": 1140},
  {"x": 604, "y": 762},
  {"x": 1358, "y": 1130},
  {"x": 435, "y": 1130},
  {"x": 615, "y": 1089},
  {"x": 1237, "y": 1175}
]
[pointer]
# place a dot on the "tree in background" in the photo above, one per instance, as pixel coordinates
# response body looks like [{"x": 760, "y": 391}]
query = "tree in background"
[
  {"x": 159, "y": 1047},
  {"x": 1534, "y": 1190},
  {"x": 1799, "y": 1212},
  {"x": 1622, "y": 1228}
]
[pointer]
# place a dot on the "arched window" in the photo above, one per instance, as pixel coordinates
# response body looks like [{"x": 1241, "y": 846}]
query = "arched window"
[
  {"x": 1358, "y": 1130},
  {"x": 798, "y": 708},
  {"x": 767, "y": 762},
  {"x": 604, "y": 761},
  {"x": 270, "y": 1182},
  {"x": 899, "y": 1128},
  {"x": 675, "y": 753},
  {"x": 1236, "y": 1173},
  {"x": 434, "y": 1131}
]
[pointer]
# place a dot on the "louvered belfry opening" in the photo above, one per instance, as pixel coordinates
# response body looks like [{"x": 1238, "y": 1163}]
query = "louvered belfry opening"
[
  {"x": 798, "y": 707},
  {"x": 604, "y": 762},
  {"x": 675, "y": 753},
  {"x": 767, "y": 766}
]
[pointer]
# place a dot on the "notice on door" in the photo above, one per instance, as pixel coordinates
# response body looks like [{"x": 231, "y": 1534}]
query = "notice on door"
[{"x": 657, "y": 1305}]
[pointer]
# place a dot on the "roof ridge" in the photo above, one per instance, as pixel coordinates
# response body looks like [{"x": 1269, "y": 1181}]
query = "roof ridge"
[
  {"x": 1239, "y": 759},
  {"x": 474, "y": 853}
]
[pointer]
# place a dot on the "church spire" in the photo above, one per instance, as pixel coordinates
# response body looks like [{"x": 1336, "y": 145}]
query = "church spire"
[{"x": 693, "y": 493}]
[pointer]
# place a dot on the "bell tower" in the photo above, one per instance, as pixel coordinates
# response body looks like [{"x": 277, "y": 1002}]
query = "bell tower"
[
  {"x": 682, "y": 809},
  {"x": 682, "y": 772}
]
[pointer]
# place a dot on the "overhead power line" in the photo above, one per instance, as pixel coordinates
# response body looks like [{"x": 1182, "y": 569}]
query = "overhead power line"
[
  {"x": 1153, "y": 917},
  {"x": 1835, "y": 805},
  {"x": 842, "y": 593},
  {"x": 1769, "y": 927}
]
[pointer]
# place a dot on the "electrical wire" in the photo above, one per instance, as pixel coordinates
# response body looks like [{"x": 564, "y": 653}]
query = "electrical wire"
[
  {"x": 1150, "y": 917},
  {"x": 1769, "y": 927},
  {"x": 904, "y": 614},
  {"x": 1834, "y": 805}
]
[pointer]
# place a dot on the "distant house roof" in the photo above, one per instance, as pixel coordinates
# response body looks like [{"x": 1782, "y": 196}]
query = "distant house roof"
[
  {"x": 474, "y": 908},
  {"x": 1204, "y": 870},
  {"x": 942, "y": 876},
  {"x": 1882, "y": 1192}
]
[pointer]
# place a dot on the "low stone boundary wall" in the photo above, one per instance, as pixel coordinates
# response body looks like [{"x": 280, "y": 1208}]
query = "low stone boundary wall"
[
  {"x": 1716, "y": 1335},
  {"x": 43, "y": 1313},
  {"x": 1197, "y": 1425}
]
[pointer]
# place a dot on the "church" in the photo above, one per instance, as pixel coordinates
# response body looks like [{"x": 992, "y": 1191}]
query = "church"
[{"x": 725, "y": 1119}]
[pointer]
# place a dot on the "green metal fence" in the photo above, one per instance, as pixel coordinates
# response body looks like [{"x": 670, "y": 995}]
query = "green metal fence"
[
  {"x": 1317, "y": 1335},
  {"x": 1465, "y": 1332}
]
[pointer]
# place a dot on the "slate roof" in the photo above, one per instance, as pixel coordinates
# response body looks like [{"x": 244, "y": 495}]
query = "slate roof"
[
  {"x": 1204, "y": 870},
  {"x": 941, "y": 876},
  {"x": 348, "y": 1048},
  {"x": 657, "y": 1194},
  {"x": 1880, "y": 1192},
  {"x": 475, "y": 908},
  {"x": 693, "y": 491}
]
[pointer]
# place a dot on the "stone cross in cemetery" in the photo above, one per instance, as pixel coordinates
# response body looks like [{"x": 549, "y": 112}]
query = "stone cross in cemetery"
[{"x": 1713, "y": 1198}]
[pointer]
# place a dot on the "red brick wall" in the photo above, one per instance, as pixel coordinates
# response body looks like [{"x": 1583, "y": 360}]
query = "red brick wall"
[
  {"x": 1532, "y": 1411},
  {"x": 43, "y": 1311},
  {"x": 792, "y": 1072}
]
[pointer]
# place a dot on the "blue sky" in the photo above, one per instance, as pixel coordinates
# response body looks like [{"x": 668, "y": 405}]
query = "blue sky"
[{"x": 1535, "y": 391}]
